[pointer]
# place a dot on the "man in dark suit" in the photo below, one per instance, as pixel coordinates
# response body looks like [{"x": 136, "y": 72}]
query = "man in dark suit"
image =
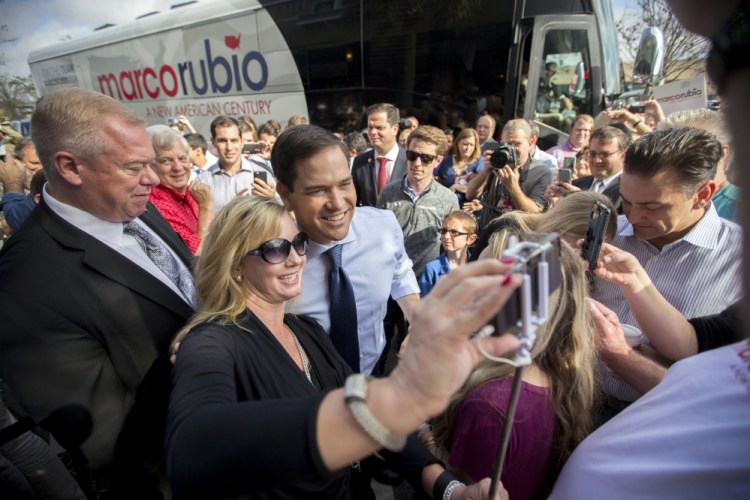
[
  {"x": 606, "y": 159},
  {"x": 88, "y": 309},
  {"x": 383, "y": 164}
]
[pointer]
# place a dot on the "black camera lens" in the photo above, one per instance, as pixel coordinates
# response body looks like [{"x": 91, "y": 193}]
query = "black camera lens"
[{"x": 504, "y": 155}]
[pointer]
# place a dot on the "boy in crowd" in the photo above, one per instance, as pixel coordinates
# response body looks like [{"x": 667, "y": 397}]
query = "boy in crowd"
[{"x": 459, "y": 230}]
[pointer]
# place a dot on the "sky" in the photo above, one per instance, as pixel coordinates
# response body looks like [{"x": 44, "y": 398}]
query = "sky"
[{"x": 35, "y": 24}]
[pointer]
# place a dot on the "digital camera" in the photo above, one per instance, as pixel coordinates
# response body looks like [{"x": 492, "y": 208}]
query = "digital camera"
[{"x": 505, "y": 154}]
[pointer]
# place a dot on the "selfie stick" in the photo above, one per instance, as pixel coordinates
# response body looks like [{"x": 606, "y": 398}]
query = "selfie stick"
[{"x": 527, "y": 337}]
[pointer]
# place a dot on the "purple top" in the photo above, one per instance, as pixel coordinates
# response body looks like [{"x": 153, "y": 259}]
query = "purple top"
[{"x": 478, "y": 429}]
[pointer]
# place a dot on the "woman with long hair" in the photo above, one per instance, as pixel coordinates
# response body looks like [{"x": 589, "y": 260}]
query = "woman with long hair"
[
  {"x": 463, "y": 161},
  {"x": 257, "y": 408},
  {"x": 555, "y": 405}
]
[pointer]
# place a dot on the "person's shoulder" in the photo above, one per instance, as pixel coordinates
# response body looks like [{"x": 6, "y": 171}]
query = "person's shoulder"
[
  {"x": 363, "y": 159},
  {"x": 372, "y": 213},
  {"x": 392, "y": 189}
]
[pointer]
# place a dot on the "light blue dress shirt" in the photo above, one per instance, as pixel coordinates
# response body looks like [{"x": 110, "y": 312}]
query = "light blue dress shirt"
[{"x": 378, "y": 267}]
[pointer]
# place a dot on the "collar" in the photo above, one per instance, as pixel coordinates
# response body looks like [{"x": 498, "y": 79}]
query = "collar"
[
  {"x": 410, "y": 191},
  {"x": 86, "y": 222},
  {"x": 173, "y": 193},
  {"x": 315, "y": 249},
  {"x": 216, "y": 169},
  {"x": 392, "y": 155},
  {"x": 704, "y": 234}
]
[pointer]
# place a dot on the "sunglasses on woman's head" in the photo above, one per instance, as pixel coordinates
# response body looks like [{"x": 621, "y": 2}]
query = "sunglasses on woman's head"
[{"x": 277, "y": 250}]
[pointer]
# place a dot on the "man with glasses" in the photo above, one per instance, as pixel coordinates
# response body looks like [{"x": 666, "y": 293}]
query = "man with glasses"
[
  {"x": 606, "y": 160},
  {"x": 419, "y": 202}
]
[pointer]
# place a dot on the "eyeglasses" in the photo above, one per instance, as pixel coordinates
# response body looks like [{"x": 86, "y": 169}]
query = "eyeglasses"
[
  {"x": 165, "y": 161},
  {"x": 277, "y": 250},
  {"x": 453, "y": 232},
  {"x": 603, "y": 155},
  {"x": 413, "y": 155}
]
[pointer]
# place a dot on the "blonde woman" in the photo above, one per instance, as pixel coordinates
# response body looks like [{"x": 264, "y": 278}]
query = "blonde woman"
[
  {"x": 555, "y": 405},
  {"x": 257, "y": 409}
]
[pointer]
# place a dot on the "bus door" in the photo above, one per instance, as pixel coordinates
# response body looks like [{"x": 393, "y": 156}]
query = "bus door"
[{"x": 559, "y": 60}]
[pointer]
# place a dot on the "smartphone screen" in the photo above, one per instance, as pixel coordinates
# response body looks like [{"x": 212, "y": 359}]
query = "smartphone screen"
[
  {"x": 251, "y": 148},
  {"x": 569, "y": 162},
  {"x": 564, "y": 174}
]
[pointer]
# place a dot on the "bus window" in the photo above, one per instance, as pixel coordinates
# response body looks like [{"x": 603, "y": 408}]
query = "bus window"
[{"x": 564, "y": 83}]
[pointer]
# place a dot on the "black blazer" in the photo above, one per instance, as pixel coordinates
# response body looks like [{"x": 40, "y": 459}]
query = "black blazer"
[
  {"x": 612, "y": 191},
  {"x": 363, "y": 174},
  {"x": 84, "y": 341}
]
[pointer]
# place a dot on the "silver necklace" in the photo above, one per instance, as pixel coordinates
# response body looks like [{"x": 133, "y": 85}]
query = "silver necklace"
[{"x": 302, "y": 357}]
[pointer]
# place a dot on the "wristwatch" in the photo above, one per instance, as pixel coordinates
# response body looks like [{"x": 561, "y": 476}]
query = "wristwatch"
[
  {"x": 731, "y": 47},
  {"x": 355, "y": 395}
]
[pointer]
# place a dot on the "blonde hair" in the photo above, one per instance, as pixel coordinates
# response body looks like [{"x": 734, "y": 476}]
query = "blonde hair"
[
  {"x": 242, "y": 225},
  {"x": 467, "y": 221},
  {"x": 465, "y": 133},
  {"x": 564, "y": 351},
  {"x": 431, "y": 135},
  {"x": 569, "y": 217}
]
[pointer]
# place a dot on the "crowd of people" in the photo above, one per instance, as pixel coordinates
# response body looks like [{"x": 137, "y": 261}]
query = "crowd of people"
[{"x": 293, "y": 314}]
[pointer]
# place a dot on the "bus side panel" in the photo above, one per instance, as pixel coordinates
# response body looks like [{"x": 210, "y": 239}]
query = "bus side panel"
[{"x": 236, "y": 66}]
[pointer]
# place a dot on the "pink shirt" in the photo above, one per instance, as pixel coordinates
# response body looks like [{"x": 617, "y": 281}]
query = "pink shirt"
[
  {"x": 562, "y": 151},
  {"x": 479, "y": 426},
  {"x": 180, "y": 211}
]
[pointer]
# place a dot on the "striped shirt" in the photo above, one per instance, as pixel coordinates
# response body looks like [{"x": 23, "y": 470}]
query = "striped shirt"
[
  {"x": 224, "y": 187},
  {"x": 699, "y": 275}
]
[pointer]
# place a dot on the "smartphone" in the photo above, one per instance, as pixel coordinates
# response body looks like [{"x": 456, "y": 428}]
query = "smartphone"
[
  {"x": 173, "y": 120},
  {"x": 637, "y": 108},
  {"x": 251, "y": 148},
  {"x": 547, "y": 278},
  {"x": 262, "y": 176},
  {"x": 592, "y": 243},
  {"x": 569, "y": 162},
  {"x": 564, "y": 174}
]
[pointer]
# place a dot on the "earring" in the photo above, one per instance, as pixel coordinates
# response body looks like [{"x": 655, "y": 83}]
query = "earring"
[{"x": 239, "y": 278}]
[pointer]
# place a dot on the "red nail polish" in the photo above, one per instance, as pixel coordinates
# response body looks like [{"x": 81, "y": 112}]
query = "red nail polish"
[
  {"x": 507, "y": 280},
  {"x": 507, "y": 260}
]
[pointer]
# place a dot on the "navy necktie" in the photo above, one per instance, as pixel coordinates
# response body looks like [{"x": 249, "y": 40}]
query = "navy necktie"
[
  {"x": 163, "y": 259},
  {"x": 343, "y": 310}
]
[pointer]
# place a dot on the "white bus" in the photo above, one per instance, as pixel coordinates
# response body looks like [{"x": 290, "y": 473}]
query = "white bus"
[{"x": 444, "y": 61}]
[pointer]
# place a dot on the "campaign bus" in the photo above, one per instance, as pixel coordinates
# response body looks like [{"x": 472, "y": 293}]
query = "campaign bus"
[{"x": 444, "y": 61}]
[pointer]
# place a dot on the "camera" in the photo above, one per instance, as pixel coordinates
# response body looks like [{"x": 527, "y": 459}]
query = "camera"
[
  {"x": 405, "y": 123},
  {"x": 539, "y": 263},
  {"x": 637, "y": 108},
  {"x": 173, "y": 120},
  {"x": 505, "y": 154}
]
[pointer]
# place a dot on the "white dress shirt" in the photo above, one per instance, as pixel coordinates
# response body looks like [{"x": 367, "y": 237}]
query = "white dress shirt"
[
  {"x": 374, "y": 257},
  {"x": 224, "y": 187},
  {"x": 112, "y": 234},
  {"x": 392, "y": 156}
]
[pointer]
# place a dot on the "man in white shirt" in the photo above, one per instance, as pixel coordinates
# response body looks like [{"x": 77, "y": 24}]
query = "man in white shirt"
[
  {"x": 314, "y": 181},
  {"x": 233, "y": 175}
]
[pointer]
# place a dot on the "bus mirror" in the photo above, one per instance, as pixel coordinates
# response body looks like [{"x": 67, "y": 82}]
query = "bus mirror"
[{"x": 649, "y": 60}]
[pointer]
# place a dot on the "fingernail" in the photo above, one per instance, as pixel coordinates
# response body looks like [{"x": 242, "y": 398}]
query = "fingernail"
[
  {"x": 507, "y": 260},
  {"x": 507, "y": 280}
]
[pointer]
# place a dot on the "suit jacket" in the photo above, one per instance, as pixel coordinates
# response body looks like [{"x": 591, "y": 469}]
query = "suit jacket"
[
  {"x": 612, "y": 191},
  {"x": 364, "y": 172},
  {"x": 84, "y": 342}
]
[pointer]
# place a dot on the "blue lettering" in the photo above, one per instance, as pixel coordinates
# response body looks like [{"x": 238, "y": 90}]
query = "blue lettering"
[
  {"x": 198, "y": 90},
  {"x": 254, "y": 56},
  {"x": 219, "y": 61}
]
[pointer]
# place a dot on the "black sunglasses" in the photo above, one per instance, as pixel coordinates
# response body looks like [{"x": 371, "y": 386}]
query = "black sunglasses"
[
  {"x": 413, "y": 155},
  {"x": 277, "y": 250}
]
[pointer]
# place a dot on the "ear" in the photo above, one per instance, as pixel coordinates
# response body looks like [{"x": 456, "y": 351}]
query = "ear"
[
  {"x": 68, "y": 167},
  {"x": 284, "y": 194},
  {"x": 471, "y": 239},
  {"x": 704, "y": 195},
  {"x": 439, "y": 159}
]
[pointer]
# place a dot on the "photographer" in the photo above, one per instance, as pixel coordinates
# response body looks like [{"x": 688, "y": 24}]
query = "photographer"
[{"x": 520, "y": 186}]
